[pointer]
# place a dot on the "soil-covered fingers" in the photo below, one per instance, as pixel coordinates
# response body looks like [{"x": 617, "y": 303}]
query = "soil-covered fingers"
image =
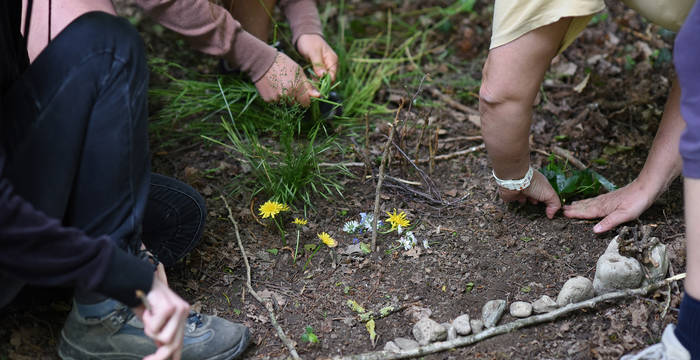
[
  {"x": 286, "y": 78},
  {"x": 541, "y": 191}
]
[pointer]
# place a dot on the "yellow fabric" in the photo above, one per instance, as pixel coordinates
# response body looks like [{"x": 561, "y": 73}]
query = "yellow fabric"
[
  {"x": 669, "y": 14},
  {"x": 514, "y": 18}
]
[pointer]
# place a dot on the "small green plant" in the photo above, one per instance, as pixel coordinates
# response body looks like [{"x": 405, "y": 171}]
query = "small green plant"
[
  {"x": 568, "y": 182},
  {"x": 309, "y": 336}
]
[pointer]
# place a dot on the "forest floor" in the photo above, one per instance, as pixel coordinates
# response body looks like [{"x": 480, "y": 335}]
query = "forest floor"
[{"x": 480, "y": 248}]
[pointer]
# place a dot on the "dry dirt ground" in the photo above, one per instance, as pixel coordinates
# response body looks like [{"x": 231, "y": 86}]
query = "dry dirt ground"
[{"x": 480, "y": 248}]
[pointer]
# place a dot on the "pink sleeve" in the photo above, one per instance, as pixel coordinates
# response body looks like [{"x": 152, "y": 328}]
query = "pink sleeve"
[
  {"x": 302, "y": 16},
  {"x": 211, "y": 29}
]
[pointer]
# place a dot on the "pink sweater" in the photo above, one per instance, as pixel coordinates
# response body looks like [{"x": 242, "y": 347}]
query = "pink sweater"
[{"x": 210, "y": 29}]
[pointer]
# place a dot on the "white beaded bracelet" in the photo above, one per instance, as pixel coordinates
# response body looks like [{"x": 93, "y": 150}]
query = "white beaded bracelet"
[{"x": 517, "y": 184}]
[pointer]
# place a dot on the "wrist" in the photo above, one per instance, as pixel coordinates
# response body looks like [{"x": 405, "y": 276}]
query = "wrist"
[{"x": 515, "y": 184}]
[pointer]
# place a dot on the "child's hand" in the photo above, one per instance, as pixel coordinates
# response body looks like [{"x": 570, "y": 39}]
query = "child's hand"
[
  {"x": 539, "y": 190},
  {"x": 285, "y": 77},
  {"x": 322, "y": 58}
]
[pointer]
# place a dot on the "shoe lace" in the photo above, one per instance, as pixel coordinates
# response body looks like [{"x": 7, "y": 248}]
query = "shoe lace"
[
  {"x": 121, "y": 316},
  {"x": 194, "y": 320}
]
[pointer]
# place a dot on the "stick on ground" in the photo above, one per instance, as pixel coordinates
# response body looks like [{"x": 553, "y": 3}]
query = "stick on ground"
[
  {"x": 505, "y": 328},
  {"x": 268, "y": 305}
]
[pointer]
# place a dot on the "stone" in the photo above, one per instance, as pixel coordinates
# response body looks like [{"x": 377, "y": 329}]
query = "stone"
[
  {"x": 575, "y": 290},
  {"x": 659, "y": 256},
  {"x": 417, "y": 313},
  {"x": 451, "y": 332},
  {"x": 406, "y": 344},
  {"x": 544, "y": 304},
  {"x": 476, "y": 325},
  {"x": 462, "y": 324},
  {"x": 520, "y": 309},
  {"x": 616, "y": 272},
  {"x": 391, "y": 346},
  {"x": 427, "y": 330},
  {"x": 492, "y": 312}
]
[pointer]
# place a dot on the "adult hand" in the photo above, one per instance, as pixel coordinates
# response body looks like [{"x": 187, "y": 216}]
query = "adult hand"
[
  {"x": 615, "y": 207},
  {"x": 286, "y": 78},
  {"x": 165, "y": 321},
  {"x": 539, "y": 191},
  {"x": 321, "y": 56}
]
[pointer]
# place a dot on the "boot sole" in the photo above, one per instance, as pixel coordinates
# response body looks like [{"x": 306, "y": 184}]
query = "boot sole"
[{"x": 69, "y": 351}]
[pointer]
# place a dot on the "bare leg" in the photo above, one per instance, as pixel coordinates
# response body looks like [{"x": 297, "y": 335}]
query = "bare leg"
[
  {"x": 61, "y": 14},
  {"x": 511, "y": 78},
  {"x": 663, "y": 164},
  {"x": 254, "y": 15}
]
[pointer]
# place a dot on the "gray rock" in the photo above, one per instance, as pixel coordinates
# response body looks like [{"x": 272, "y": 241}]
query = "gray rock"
[
  {"x": 616, "y": 272},
  {"x": 451, "y": 332},
  {"x": 575, "y": 290},
  {"x": 427, "y": 330},
  {"x": 520, "y": 309},
  {"x": 391, "y": 346},
  {"x": 461, "y": 324},
  {"x": 492, "y": 312},
  {"x": 660, "y": 257},
  {"x": 417, "y": 313},
  {"x": 544, "y": 304},
  {"x": 477, "y": 325},
  {"x": 406, "y": 344}
]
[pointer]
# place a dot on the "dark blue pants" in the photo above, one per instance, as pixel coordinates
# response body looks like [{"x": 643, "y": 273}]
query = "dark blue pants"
[{"x": 76, "y": 137}]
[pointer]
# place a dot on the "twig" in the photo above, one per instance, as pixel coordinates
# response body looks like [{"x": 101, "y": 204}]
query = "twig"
[
  {"x": 454, "y": 154},
  {"x": 568, "y": 156},
  {"x": 268, "y": 305},
  {"x": 385, "y": 155},
  {"x": 505, "y": 328},
  {"x": 458, "y": 106},
  {"x": 667, "y": 302},
  {"x": 403, "y": 181},
  {"x": 465, "y": 138}
]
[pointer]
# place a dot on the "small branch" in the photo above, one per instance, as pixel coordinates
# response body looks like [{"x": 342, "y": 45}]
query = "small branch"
[
  {"x": 458, "y": 106},
  {"x": 403, "y": 181},
  {"x": 568, "y": 156},
  {"x": 463, "y": 138},
  {"x": 454, "y": 154},
  {"x": 505, "y": 328},
  {"x": 385, "y": 155},
  {"x": 267, "y": 304}
]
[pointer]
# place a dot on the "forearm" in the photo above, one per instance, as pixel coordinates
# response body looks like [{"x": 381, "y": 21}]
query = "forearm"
[
  {"x": 302, "y": 16},
  {"x": 664, "y": 163}
]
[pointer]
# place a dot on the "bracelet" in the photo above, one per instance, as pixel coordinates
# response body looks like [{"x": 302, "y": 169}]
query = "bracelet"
[{"x": 517, "y": 184}]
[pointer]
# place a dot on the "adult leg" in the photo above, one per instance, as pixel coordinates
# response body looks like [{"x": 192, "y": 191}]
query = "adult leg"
[{"x": 254, "y": 15}]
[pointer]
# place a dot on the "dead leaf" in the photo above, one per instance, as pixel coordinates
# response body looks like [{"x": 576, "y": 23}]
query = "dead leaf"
[
  {"x": 415, "y": 252},
  {"x": 582, "y": 85}
]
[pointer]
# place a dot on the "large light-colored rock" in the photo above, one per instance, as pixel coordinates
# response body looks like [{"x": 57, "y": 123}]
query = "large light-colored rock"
[
  {"x": 427, "y": 330},
  {"x": 391, "y": 346},
  {"x": 616, "y": 272},
  {"x": 461, "y": 324},
  {"x": 544, "y": 304},
  {"x": 492, "y": 312},
  {"x": 575, "y": 290},
  {"x": 520, "y": 309},
  {"x": 451, "y": 332}
]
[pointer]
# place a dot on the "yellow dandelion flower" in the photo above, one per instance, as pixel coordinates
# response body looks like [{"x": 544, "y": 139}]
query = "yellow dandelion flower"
[
  {"x": 300, "y": 221},
  {"x": 327, "y": 239},
  {"x": 271, "y": 208},
  {"x": 397, "y": 220}
]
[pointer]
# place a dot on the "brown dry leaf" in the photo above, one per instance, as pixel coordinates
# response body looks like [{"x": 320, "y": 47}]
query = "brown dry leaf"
[{"x": 415, "y": 252}]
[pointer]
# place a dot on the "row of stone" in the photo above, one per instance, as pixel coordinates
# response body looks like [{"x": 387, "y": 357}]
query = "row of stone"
[{"x": 613, "y": 272}]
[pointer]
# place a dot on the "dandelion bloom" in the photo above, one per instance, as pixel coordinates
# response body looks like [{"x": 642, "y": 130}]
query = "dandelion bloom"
[
  {"x": 300, "y": 221},
  {"x": 271, "y": 208},
  {"x": 327, "y": 239},
  {"x": 397, "y": 220}
]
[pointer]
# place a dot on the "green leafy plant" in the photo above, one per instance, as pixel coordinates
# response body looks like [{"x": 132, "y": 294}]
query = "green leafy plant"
[
  {"x": 309, "y": 336},
  {"x": 569, "y": 182}
]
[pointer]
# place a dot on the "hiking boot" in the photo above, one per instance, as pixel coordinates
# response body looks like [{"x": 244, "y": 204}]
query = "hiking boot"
[
  {"x": 109, "y": 330},
  {"x": 668, "y": 349}
]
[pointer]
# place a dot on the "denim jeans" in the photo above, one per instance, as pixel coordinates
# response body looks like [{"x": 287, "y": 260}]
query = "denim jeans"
[{"x": 76, "y": 135}]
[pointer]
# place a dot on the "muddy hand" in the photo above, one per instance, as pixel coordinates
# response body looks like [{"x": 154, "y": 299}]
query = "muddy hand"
[
  {"x": 286, "y": 78},
  {"x": 539, "y": 191},
  {"x": 319, "y": 54},
  {"x": 615, "y": 208}
]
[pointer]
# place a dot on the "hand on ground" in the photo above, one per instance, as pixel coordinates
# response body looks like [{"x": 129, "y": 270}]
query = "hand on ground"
[
  {"x": 286, "y": 78},
  {"x": 539, "y": 191},
  {"x": 319, "y": 54},
  {"x": 615, "y": 208},
  {"x": 165, "y": 322}
]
